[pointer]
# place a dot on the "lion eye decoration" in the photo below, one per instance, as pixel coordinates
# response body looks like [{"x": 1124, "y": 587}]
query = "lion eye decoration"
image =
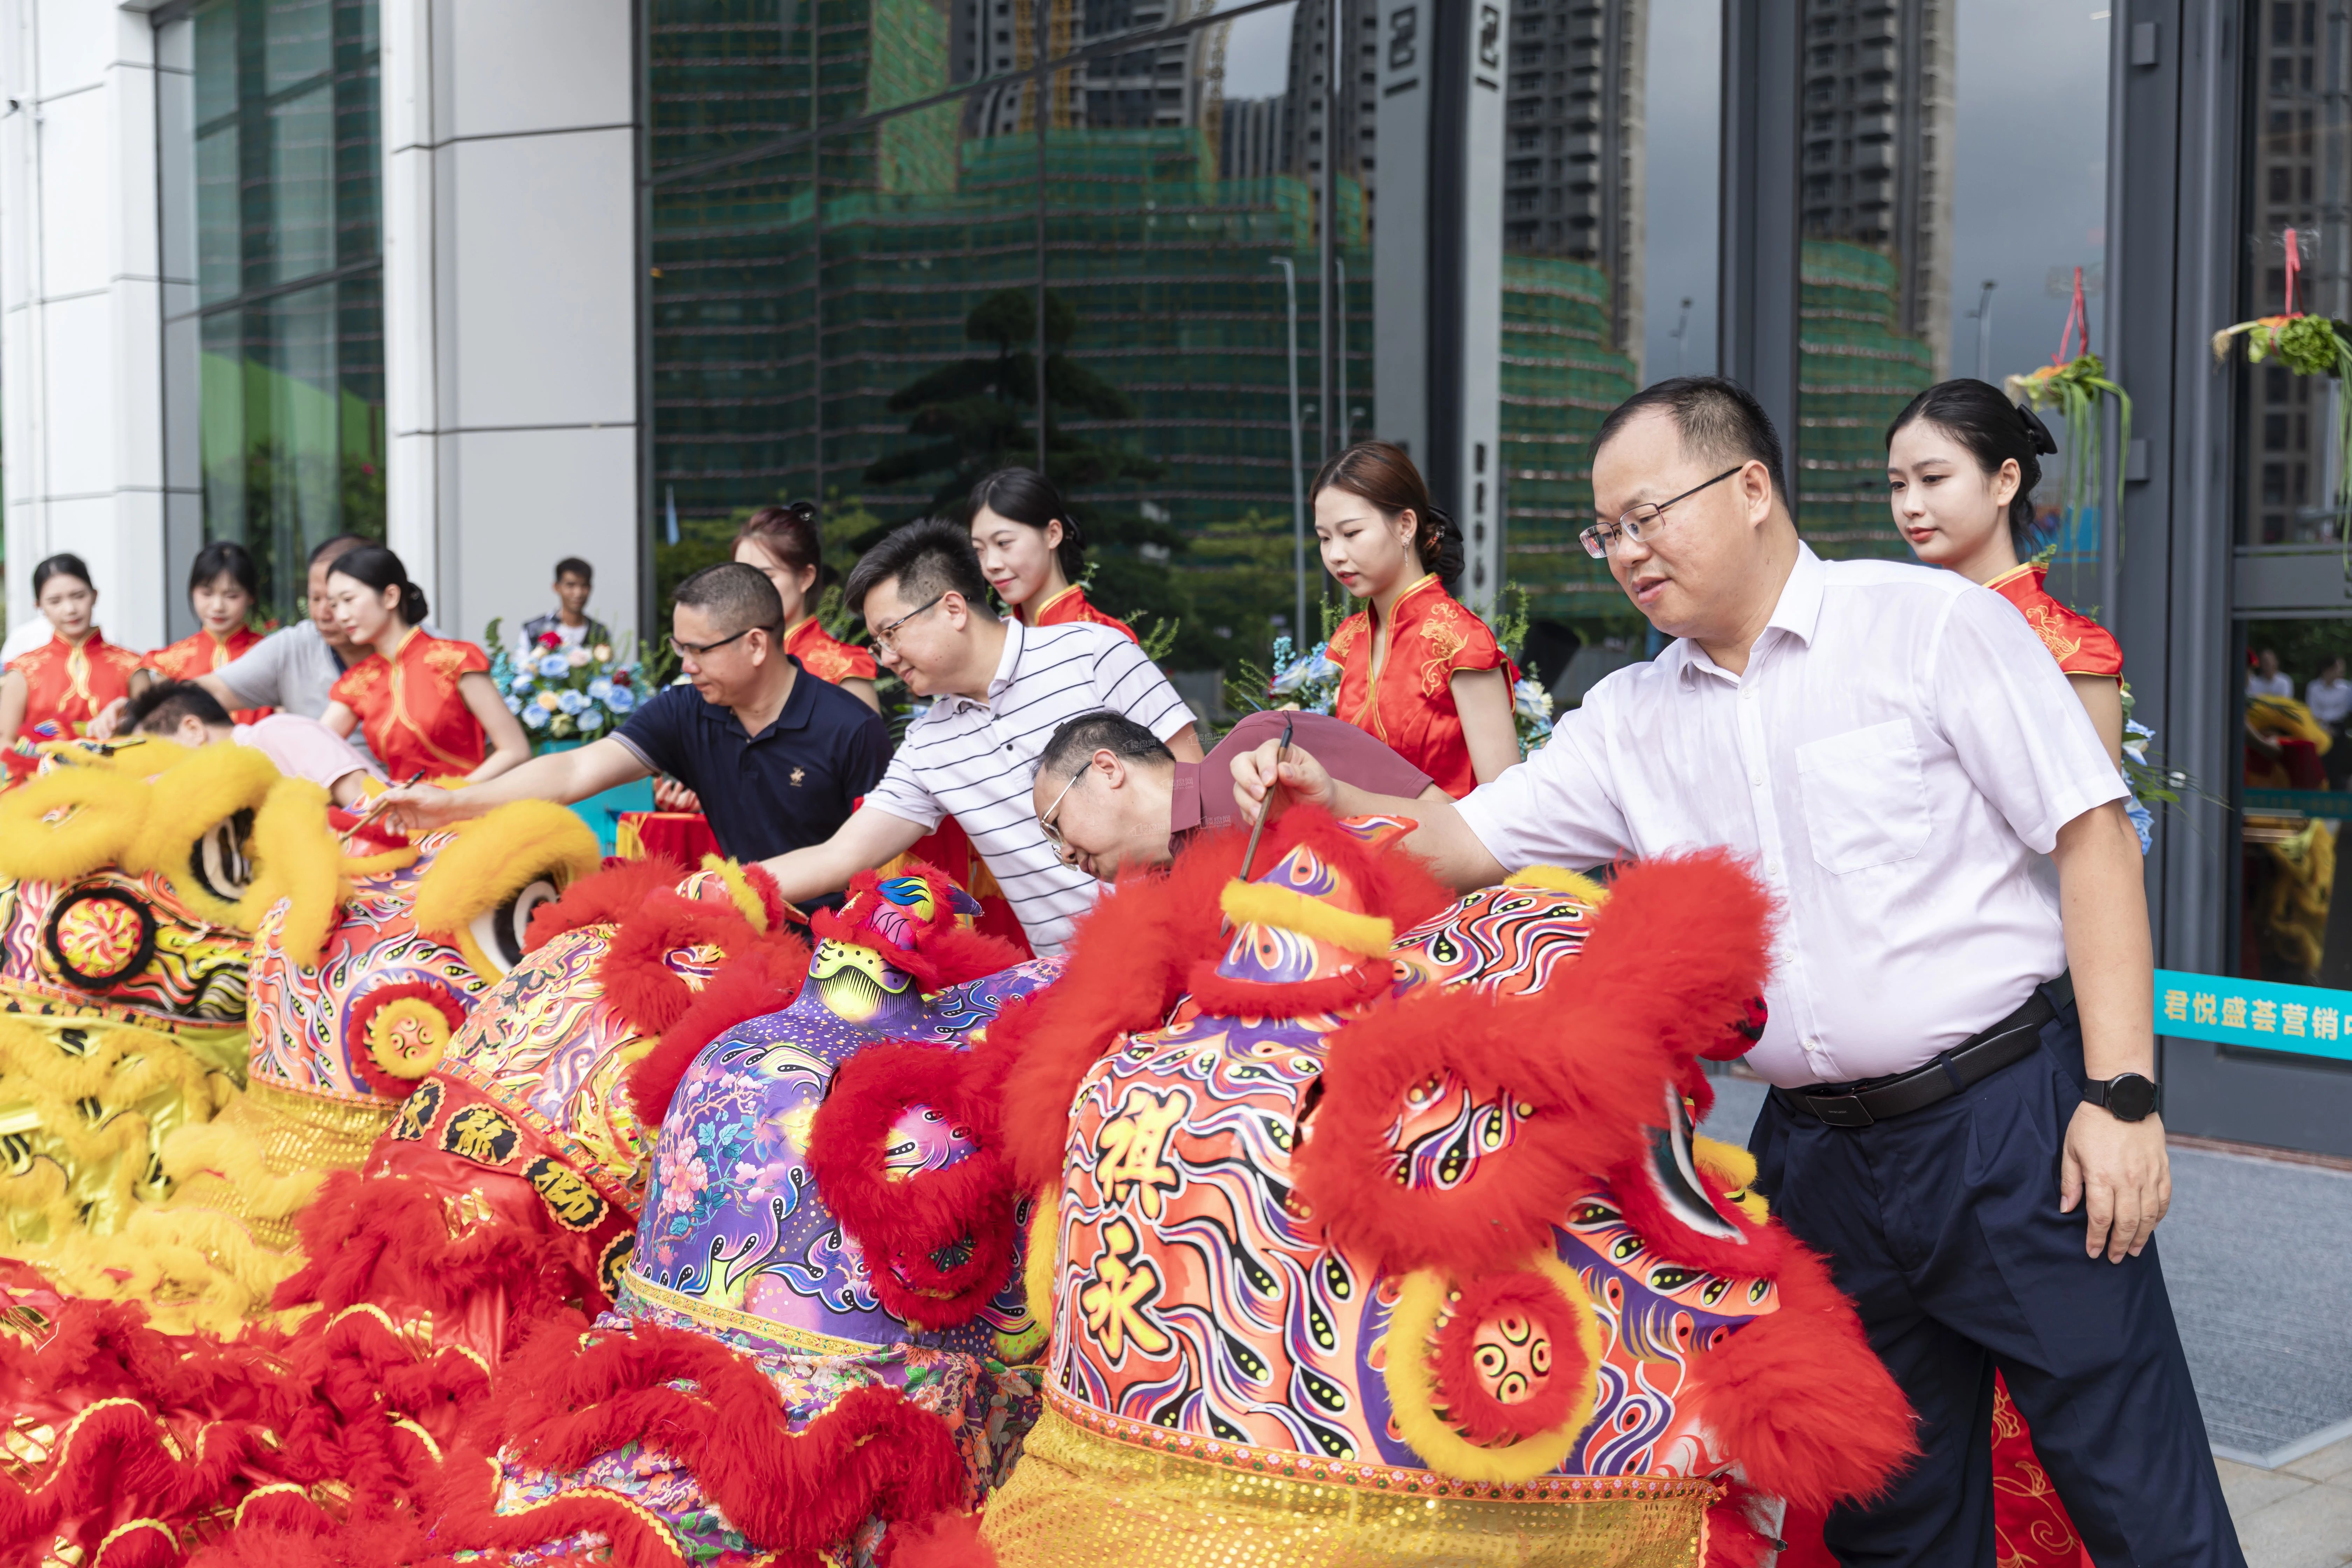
[
  {"x": 499, "y": 932},
  {"x": 218, "y": 860},
  {"x": 1674, "y": 1173}
]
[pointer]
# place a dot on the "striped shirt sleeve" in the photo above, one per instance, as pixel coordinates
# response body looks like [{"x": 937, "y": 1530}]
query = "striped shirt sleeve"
[
  {"x": 901, "y": 794},
  {"x": 1126, "y": 682}
]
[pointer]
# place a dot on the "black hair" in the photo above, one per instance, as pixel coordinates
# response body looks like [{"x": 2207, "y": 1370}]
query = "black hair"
[
  {"x": 929, "y": 557},
  {"x": 739, "y": 597},
  {"x": 1980, "y": 417},
  {"x": 1384, "y": 475},
  {"x": 226, "y": 558},
  {"x": 61, "y": 566},
  {"x": 380, "y": 569},
  {"x": 1720, "y": 420},
  {"x": 159, "y": 710},
  {"x": 573, "y": 566},
  {"x": 1101, "y": 730},
  {"x": 1028, "y": 497},
  {"x": 341, "y": 545}
]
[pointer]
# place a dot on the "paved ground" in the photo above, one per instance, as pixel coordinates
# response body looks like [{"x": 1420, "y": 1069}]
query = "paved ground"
[{"x": 2296, "y": 1516}]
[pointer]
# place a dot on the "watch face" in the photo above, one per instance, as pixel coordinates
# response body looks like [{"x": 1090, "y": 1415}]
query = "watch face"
[{"x": 2130, "y": 1097}]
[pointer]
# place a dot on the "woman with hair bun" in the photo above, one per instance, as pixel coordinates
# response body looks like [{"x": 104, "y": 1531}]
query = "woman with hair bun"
[
  {"x": 223, "y": 586},
  {"x": 426, "y": 703},
  {"x": 782, "y": 542},
  {"x": 1416, "y": 670},
  {"x": 1961, "y": 464},
  {"x": 54, "y": 692},
  {"x": 1031, "y": 553}
]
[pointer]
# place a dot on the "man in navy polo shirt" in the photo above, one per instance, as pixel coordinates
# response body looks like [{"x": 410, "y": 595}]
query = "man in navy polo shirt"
[{"x": 777, "y": 756}]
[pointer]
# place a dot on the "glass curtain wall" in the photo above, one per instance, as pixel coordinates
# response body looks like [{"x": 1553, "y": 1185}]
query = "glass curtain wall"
[
  {"x": 1609, "y": 185},
  {"x": 273, "y": 297},
  {"x": 865, "y": 233},
  {"x": 2297, "y": 188},
  {"x": 1952, "y": 181}
]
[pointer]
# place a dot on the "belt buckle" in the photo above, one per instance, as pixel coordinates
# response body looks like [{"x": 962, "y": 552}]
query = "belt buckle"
[{"x": 1839, "y": 1109}]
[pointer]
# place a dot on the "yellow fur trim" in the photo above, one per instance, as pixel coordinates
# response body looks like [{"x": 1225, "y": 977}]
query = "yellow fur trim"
[
  {"x": 229, "y": 1152},
  {"x": 488, "y": 861},
  {"x": 1412, "y": 1385},
  {"x": 214, "y": 784},
  {"x": 236, "y": 1521},
  {"x": 1575, "y": 884},
  {"x": 295, "y": 858},
  {"x": 376, "y": 865},
  {"x": 1733, "y": 1171},
  {"x": 1261, "y": 904},
  {"x": 740, "y": 889},
  {"x": 191, "y": 1268},
  {"x": 98, "y": 814}
]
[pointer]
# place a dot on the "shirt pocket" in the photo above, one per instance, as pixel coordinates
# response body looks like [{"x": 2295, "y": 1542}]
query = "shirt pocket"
[{"x": 1866, "y": 799}]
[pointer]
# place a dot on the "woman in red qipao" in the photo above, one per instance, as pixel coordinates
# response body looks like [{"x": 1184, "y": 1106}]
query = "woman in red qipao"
[
  {"x": 1031, "y": 551},
  {"x": 223, "y": 588},
  {"x": 1961, "y": 465},
  {"x": 426, "y": 703},
  {"x": 55, "y": 692},
  {"x": 782, "y": 542},
  {"x": 1416, "y": 670}
]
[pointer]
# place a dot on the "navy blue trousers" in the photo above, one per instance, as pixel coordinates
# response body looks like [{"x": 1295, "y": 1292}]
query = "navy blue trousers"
[{"x": 1943, "y": 1227}]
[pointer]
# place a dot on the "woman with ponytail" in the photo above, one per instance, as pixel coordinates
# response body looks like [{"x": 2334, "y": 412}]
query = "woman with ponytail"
[
  {"x": 1961, "y": 462},
  {"x": 426, "y": 703},
  {"x": 1031, "y": 553},
  {"x": 1416, "y": 670}
]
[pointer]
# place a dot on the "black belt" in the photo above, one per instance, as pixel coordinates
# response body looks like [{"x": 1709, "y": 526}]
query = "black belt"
[{"x": 1974, "y": 1060}]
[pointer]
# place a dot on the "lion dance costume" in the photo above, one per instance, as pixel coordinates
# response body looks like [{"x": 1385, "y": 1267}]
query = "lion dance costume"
[{"x": 539, "y": 1216}]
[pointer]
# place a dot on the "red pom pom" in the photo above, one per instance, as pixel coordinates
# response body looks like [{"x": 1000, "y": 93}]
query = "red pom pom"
[{"x": 1509, "y": 1360}]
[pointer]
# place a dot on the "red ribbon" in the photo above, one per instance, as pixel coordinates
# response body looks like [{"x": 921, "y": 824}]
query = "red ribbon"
[{"x": 2293, "y": 265}]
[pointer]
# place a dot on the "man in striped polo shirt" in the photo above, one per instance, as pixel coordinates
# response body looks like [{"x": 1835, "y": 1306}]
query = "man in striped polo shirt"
[{"x": 998, "y": 692}]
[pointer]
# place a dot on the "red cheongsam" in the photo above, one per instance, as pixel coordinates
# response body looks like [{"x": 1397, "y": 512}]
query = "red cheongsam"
[
  {"x": 826, "y": 657},
  {"x": 415, "y": 722},
  {"x": 1411, "y": 707},
  {"x": 201, "y": 653},
  {"x": 2079, "y": 644},
  {"x": 68, "y": 686},
  {"x": 1070, "y": 604}
]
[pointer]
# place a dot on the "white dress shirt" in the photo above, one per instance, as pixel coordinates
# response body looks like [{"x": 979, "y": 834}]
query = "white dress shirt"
[
  {"x": 1896, "y": 764},
  {"x": 977, "y": 762},
  {"x": 2329, "y": 700}
]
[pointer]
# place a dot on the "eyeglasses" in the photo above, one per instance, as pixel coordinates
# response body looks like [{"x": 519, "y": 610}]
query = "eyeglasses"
[
  {"x": 884, "y": 633},
  {"x": 1045, "y": 817},
  {"x": 1638, "y": 522},
  {"x": 704, "y": 649}
]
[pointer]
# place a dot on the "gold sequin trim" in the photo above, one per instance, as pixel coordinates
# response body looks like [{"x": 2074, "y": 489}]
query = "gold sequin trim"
[
  {"x": 1371, "y": 1477},
  {"x": 784, "y": 1335}
]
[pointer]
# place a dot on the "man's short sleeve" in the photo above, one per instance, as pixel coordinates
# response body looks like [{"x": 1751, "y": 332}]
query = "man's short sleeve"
[
  {"x": 656, "y": 734},
  {"x": 2014, "y": 722},
  {"x": 865, "y": 754},
  {"x": 1350, "y": 755},
  {"x": 253, "y": 677},
  {"x": 901, "y": 795},
  {"x": 1555, "y": 808},
  {"x": 1126, "y": 682}
]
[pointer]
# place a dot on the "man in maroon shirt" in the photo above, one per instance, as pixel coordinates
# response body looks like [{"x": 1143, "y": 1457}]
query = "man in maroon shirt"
[{"x": 1110, "y": 795}]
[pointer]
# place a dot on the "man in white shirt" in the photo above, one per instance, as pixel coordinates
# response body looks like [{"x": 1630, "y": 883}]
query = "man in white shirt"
[
  {"x": 2266, "y": 679},
  {"x": 1900, "y": 761},
  {"x": 2329, "y": 695},
  {"x": 998, "y": 692}
]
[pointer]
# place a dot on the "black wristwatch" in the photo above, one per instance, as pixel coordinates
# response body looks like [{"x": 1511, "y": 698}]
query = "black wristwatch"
[{"x": 2127, "y": 1096}]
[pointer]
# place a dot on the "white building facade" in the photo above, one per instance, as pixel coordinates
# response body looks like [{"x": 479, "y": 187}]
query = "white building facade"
[{"x": 277, "y": 269}]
